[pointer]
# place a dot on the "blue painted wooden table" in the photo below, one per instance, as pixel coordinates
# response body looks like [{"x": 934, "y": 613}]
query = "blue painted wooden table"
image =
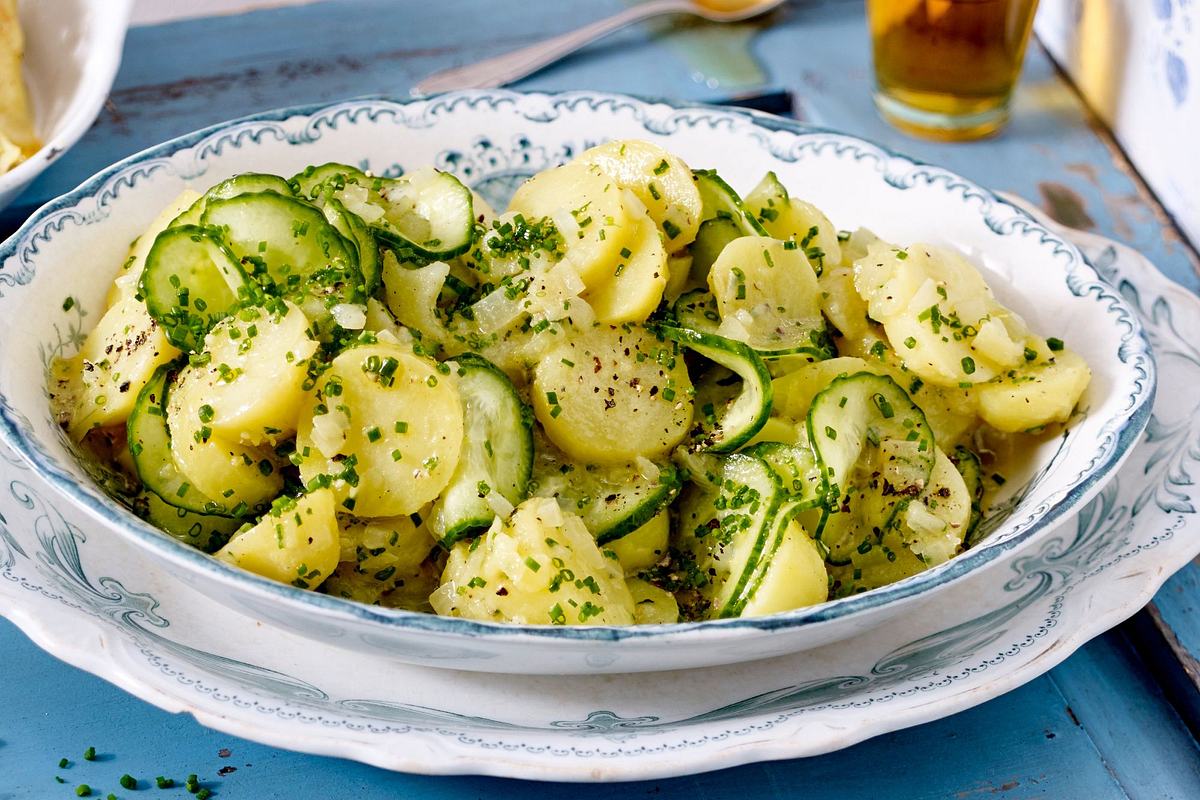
[{"x": 1116, "y": 720}]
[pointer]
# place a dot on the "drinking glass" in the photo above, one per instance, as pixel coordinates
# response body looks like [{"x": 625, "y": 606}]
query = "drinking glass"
[{"x": 945, "y": 69}]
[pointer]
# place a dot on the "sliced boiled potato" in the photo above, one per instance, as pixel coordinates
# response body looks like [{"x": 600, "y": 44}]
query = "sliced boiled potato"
[
  {"x": 251, "y": 387},
  {"x": 660, "y": 180},
  {"x": 384, "y": 427},
  {"x": 795, "y": 577},
  {"x": 794, "y": 392},
  {"x": 539, "y": 567},
  {"x": 117, "y": 359},
  {"x": 777, "y": 429},
  {"x": 588, "y": 209},
  {"x": 126, "y": 283},
  {"x": 412, "y": 293},
  {"x": 933, "y": 525},
  {"x": 376, "y": 554},
  {"x": 679, "y": 267},
  {"x": 643, "y": 547},
  {"x": 767, "y": 295},
  {"x": 843, "y": 306},
  {"x": 789, "y": 218},
  {"x": 296, "y": 542},
  {"x": 652, "y": 605},
  {"x": 935, "y": 306},
  {"x": 607, "y": 395},
  {"x": 1042, "y": 393},
  {"x": 636, "y": 285},
  {"x": 227, "y": 470}
]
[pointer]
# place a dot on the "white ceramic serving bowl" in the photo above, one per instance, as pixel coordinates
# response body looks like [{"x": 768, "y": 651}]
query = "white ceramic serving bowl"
[
  {"x": 493, "y": 140},
  {"x": 72, "y": 51}
]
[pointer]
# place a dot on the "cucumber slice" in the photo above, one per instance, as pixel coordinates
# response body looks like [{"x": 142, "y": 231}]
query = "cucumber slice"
[
  {"x": 497, "y": 453},
  {"x": 613, "y": 499},
  {"x": 232, "y": 187},
  {"x": 726, "y": 530},
  {"x": 150, "y": 448},
  {"x": 293, "y": 250},
  {"x": 725, "y": 428},
  {"x": 311, "y": 182},
  {"x": 247, "y": 183},
  {"x": 711, "y": 239},
  {"x": 353, "y": 229},
  {"x": 877, "y": 452},
  {"x": 429, "y": 213},
  {"x": 697, "y": 311},
  {"x": 798, "y": 471},
  {"x": 190, "y": 282},
  {"x": 205, "y": 532},
  {"x": 968, "y": 465},
  {"x": 720, "y": 201}
]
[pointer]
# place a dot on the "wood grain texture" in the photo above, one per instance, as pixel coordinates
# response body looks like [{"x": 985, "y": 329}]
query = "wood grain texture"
[
  {"x": 1059, "y": 737},
  {"x": 1097, "y": 727}
]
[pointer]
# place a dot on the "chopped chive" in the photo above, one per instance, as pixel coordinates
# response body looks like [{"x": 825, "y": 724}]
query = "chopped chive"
[
  {"x": 89, "y": 754},
  {"x": 1054, "y": 344}
]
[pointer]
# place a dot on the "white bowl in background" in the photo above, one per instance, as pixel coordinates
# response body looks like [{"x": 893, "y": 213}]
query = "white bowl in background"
[{"x": 72, "y": 51}]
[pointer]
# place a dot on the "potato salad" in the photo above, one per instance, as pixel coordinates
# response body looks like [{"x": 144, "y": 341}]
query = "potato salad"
[{"x": 633, "y": 397}]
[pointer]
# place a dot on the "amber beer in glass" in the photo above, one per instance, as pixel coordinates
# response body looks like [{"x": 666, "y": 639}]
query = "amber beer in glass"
[{"x": 946, "y": 69}]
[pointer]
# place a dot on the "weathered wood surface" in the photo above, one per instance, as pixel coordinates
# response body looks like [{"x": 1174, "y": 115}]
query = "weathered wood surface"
[{"x": 1098, "y": 726}]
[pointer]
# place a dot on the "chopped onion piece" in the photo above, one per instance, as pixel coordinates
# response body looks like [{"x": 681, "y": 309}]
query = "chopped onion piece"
[
  {"x": 495, "y": 311},
  {"x": 329, "y": 433},
  {"x": 569, "y": 277},
  {"x": 499, "y": 504},
  {"x": 647, "y": 468},
  {"x": 350, "y": 316}
]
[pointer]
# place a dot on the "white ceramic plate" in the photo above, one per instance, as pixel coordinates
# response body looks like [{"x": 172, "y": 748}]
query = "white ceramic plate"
[
  {"x": 493, "y": 140},
  {"x": 996, "y": 629},
  {"x": 72, "y": 51}
]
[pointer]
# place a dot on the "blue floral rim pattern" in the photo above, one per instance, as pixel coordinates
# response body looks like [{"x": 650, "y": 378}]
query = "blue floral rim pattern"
[{"x": 17, "y": 431}]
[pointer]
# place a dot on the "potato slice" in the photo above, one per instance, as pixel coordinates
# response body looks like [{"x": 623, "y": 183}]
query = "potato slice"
[
  {"x": 767, "y": 295},
  {"x": 635, "y": 287},
  {"x": 841, "y": 303},
  {"x": 384, "y": 428},
  {"x": 645, "y": 546},
  {"x": 252, "y": 383},
  {"x": 1041, "y": 394},
  {"x": 939, "y": 313},
  {"x": 652, "y": 605},
  {"x": 117, "y": 359},
  {"x": 660, "y": 180},
  {"x": 296, "y": 542},
  {"x": 226, "y": 470},
  {"x": 376, "y": 554},
  {"x": 795, "y": 576},
  {"x": 607, "y": 395},
  {"x": 586, "y": 206},
  {"x": 411, "y": 294},
  {"x": 539, "y": 567}
]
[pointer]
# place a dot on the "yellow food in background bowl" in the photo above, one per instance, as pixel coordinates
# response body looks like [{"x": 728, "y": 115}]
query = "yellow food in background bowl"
[{"x": 18, "y": 141}]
